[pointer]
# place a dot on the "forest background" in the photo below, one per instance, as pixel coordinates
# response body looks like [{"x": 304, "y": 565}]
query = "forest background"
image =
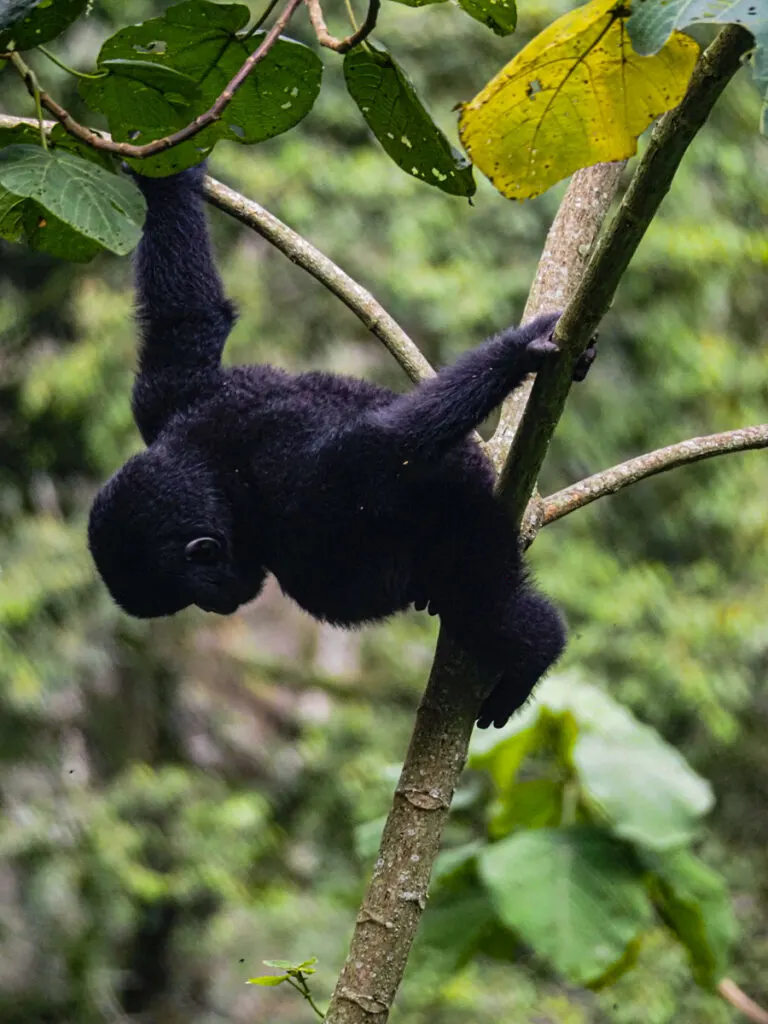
[{"x": 185, "y": 798}]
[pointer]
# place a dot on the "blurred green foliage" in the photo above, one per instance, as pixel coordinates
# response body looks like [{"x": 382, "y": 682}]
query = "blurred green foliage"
[{"x": 180, "y": 798}]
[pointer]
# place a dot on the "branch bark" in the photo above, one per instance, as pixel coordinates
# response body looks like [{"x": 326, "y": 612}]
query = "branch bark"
[
  {"x": 127, "y": 149},
  {"x": 392, "y": 907},
  {"x": 305, "y": 255},
  {"x": 609, "y": 481},
  {"x": 325, "y": 38}
]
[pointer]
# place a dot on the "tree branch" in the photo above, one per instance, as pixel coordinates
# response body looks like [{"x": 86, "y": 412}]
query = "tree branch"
[
  {"x": 732, "y": 994},
  {"x": 305, "y": 255},
  {"x": 396, "y": 896},
  {"x": 650, "y": 183},
  {"x": 342, "y": 45},
  {"x": 609, "y": 481},
  {"x": 127, "y": 149},
  {"x": 570, "y": 240}
]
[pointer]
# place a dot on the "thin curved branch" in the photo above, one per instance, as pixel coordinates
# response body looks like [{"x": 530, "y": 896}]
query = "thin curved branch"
[
  {"x": 301, "y": 252},
  {"x": 127, "y": 149},
  {"x": 609, "y": 481},
  {"x": 732, "y": 994},
  {"x": 325, "y": 38},
  {"x": 305, "y": 255}
]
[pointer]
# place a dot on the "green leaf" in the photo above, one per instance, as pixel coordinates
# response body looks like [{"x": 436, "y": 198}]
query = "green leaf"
[
  {"x": 537, "y": 803},
  {"x": 653, "y": 21},
  {"x": 502, "y": 757},
  {"x": 574, "y": 895},
  {"x": 499, "y": 15},
  {"x": 281, "y": 965},
  {"x": 400, "y": 122},
  {"x": 268, "y": 980},
  {"x": 453, "y": 865},
  {"x": 163, "y": 79},
  {"x": 643, "y": 786},
  {"x": 547, "y": 731},
  {"x": 695, "y": 905},
  {"x": 26, "y": 221},
  {"x": 101, "y": 206},
  {"x": 29, "y": 24},
  {"x": 453, "y": 927},
  {"x": 196, "y": 43}
]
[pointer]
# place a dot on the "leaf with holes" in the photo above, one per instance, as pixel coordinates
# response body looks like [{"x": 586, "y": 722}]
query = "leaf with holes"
[
  {"x": 24, "y": 220},
  {"x": 499, "y": 15},
  {"x": 197, "y": 42},
  {"x": 101, "y": 206},
  {"x": 576, "y": 95},
  {"x": 399, "y": 120},
  {"x": 28, "y": 24},
  {"x": 652, "y": 22},
  {"x": 574, "y": 895}
]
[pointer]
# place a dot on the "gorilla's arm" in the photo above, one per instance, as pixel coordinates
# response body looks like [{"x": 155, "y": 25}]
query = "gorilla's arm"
[
  {"x": 183, "y": 314},
  {"x": 437, "y": 414}
]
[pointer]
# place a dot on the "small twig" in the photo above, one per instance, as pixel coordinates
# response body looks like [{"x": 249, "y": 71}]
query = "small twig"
[
  {"x": 127, "y": 149},
  {"x": 609, "y": 481},
  {"x": 325, "y": 38},
  {"x": 305, "y": 255},
  {"x": 732, "y": 994}
]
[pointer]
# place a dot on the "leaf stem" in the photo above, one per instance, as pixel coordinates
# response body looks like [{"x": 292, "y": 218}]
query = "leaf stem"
[
  {"x": 303, "y": 989},
  {"x": 261, "y": 19},
  {"x": 351, "y": 13},
  {"x": 65, "y": 67}
]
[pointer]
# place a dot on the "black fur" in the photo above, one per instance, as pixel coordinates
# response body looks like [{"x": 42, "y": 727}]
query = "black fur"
[{"x": 361, "y": 502}]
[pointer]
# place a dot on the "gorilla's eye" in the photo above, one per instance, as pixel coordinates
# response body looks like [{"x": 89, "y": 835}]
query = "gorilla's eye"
[{"x": 203, "y": 551}]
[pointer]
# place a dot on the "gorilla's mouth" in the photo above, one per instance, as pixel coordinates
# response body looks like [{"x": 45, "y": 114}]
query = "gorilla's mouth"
[{"x": 225, "y": 605}]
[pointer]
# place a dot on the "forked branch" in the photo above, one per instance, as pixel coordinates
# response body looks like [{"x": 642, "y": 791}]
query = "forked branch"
[
  {"x": 127, "y": 149},
  {"x": 325, "y": 38}
]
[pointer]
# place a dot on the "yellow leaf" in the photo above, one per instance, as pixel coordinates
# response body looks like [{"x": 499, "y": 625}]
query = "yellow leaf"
[{"x": 577, "y": 95}]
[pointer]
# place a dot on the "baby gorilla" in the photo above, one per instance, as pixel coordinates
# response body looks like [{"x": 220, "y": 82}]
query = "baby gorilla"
[{"x": 361, "y": 502}]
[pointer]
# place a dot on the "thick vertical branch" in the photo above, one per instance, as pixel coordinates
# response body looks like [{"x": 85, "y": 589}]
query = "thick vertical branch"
[
  {"x": 569, "y": 244},
  {"x": 396, "y": 897}
]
